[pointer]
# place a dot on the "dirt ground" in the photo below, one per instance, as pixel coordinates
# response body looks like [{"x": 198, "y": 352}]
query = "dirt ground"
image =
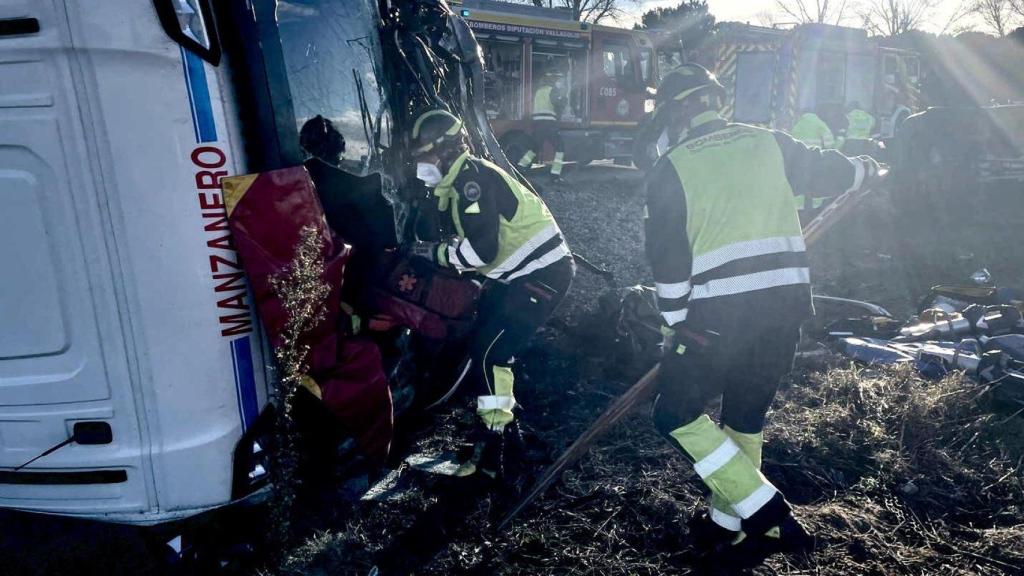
[{"x": 896, "y": 475}]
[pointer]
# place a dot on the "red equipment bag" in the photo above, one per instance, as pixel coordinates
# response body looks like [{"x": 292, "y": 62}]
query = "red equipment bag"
[
  {"x": 435, "y": 302},
  {"x": 267, "y": 213}
]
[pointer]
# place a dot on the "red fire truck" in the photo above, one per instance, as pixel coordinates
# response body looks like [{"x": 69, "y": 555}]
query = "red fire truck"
[{"x": 605, "y": 74}]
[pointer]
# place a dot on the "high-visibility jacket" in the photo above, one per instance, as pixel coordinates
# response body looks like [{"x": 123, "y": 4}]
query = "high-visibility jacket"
[
  {"x": 722, "y": 234},
  {"x": 859, "y": 124},
  {"x": 503, "y": 230},
  {"x": 813, "y": 131},
  {"x": 544, "y": 104}
]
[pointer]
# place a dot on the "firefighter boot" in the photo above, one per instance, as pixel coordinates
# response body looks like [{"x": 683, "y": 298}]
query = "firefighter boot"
[
  {"x": 494, "y": 455},
  {"x": 706, "y": 534},
  {"x": 746, "y": 552}
]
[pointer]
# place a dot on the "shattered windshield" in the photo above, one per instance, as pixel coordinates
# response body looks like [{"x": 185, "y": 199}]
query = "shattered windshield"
[{"x": 332, "y": 53}]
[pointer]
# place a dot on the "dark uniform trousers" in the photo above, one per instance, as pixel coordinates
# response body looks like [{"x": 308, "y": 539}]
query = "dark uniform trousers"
[{"x": 509, "y": 314}]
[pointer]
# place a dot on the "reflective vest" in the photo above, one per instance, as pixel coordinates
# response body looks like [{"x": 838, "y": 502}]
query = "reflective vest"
[
  {"x": 528, "y": 242},
  {"x": 543, "y": 108},
  {"x": 813, "y": 131},
  {"x": 860, "y": 124},
  {"x": 744, "y": 234}
]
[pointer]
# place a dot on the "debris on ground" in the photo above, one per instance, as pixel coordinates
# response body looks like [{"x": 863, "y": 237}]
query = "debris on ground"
[{"x": 897, "y": 473}]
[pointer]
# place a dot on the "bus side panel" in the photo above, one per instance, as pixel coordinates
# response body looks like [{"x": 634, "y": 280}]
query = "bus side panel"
[
  {"x": 62, "y": 355},
  {"x": 164, "y": 148}
]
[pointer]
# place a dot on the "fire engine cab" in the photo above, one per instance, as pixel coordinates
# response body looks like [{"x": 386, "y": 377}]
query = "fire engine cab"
[{"x": 604, "y": 74}]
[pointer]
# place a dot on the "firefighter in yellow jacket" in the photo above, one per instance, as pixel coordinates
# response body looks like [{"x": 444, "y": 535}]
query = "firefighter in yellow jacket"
[
  {"x": 725, "y": 247},
  {"x": 503, "y": 233},
  {"x": 548, "y": 102}
]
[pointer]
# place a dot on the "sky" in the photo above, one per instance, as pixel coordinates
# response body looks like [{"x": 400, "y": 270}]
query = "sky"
[{"x": 748, "y": 11}]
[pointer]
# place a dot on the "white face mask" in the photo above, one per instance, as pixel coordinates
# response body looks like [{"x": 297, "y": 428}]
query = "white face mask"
[{"x": 429, "y": 174}]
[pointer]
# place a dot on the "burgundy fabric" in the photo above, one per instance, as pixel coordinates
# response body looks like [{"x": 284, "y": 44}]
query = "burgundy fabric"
[
  {"x": 266, "y": 226},
  {"x": 432, "y": 301}
]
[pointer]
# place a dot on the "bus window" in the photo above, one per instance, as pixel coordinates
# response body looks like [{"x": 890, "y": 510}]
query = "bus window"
[
  {"x": 330, "y": 52},
  {"x": 503, "y": 80}
]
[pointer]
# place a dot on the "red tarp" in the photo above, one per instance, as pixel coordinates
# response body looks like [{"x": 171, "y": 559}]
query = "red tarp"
[{"x": 267, "y": 213}]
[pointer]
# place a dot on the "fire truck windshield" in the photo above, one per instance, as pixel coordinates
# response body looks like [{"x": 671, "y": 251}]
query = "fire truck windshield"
[{"x": 332, "y": 55}]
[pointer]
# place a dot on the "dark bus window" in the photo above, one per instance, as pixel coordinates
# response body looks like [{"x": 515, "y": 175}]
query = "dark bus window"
[{"x": 331, "y": 52}]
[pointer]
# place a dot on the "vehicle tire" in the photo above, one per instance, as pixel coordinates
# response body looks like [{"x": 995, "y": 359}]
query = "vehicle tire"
[{"x": 515, "y": 144}]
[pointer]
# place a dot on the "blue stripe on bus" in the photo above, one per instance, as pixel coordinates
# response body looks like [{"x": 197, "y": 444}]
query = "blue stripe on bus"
[
  {"x": 245, "y": 380},
  {"x": 199, "y": 97}
]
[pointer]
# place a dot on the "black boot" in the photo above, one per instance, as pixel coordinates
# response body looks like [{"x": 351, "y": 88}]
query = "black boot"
[
  {"x": 789, "y": 537},
  {"x": 496, "y": 455},
  {"x": 708, "y": 535}
]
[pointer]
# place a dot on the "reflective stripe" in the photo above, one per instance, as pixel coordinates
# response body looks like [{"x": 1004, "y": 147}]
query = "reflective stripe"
[
  {"x": 709, "y": 464},
  {"x": 737, "y": 250},
  {"x": 858, "y": 175},
  {"x": 673, "y": 290},
  {"x": 751, "y": 504},
  {"x": 544, "y": 116},
  {"x": 452, "y": 255},
  {"x": 674, "y": 317},
  {"x": 467, "y": 251},
  {"x": 527, "y": 159},
  {"x": 561, "y": 251},
  {"x": 556, "y": 166},
  {"x": 751, "y": 282},
  {"x": 495, "y": 402},
  {"x": 517, "y": 257},
  {"x": 727, "y": 521}
]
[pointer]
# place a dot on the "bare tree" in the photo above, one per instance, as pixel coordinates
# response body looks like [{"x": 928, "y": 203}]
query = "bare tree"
[
  {"x": 894, "y": 17},
  {"x": 997, "y": 14},
  {"x": 768, "y": 19},
  {"x": 585, "y": 10},
  {"x": 813, "y": 11},
  {"x": 1018, "y": 7}
]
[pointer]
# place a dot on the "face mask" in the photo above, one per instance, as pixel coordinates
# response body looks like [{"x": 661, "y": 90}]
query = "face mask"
[{"x": 429, "y": 174}]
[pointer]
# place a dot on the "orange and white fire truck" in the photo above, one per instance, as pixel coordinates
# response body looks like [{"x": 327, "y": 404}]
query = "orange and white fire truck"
[
  {"x": 772, "y": 75},
  {"x": 605, "y": 74}
]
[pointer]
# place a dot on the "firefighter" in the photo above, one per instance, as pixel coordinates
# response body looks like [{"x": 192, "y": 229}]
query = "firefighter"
[
  {"x": 548, "y": 102},
  {"x": 725, "y": 247},
  {"x": 504, "y": 234},
  {"x": 859, "y": 128},
  {"x": 812, "y": 131}
]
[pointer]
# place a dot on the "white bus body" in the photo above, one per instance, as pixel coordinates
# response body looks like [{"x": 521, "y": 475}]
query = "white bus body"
[{"x": 122, "y": 299}]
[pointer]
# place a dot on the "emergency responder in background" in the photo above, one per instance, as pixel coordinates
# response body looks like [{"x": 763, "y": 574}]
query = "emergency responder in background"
[
  {"x": 812, "y": 131},
  {"x": 504, "y": 233},
  {"x": 725, "y": 246},
  {"x": 859, "y": 128},
  {"x": 548, "y": 103}
]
